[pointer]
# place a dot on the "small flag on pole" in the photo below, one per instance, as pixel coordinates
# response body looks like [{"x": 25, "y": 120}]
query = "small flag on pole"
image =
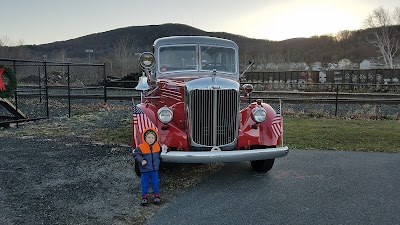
[
  {"x": 276, "y": 126},
  {"x": 140, "y": 120}
]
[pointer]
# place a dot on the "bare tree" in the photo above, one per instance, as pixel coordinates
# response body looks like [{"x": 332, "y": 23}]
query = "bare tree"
[
  {"x": 343, "y": 35},
  {"x": 13, "y": 50},
  {"x": 396, "y": 15},
  {"x": 123, "y": 57},
  {"x": 382, "y": 34},
  {"x": 60, "y": 56},
  {"x": 4, "y": 49}
]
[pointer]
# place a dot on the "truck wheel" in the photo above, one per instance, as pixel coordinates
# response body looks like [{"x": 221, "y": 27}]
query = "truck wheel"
[
  {"x": 137, "y": 171},
  {"x": 262, "y": 165}
]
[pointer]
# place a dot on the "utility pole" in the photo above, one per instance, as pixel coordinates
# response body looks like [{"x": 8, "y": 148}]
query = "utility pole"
[{"x": 89, "y": 51}]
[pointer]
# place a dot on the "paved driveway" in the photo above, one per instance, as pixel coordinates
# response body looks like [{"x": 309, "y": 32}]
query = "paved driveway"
[{"x": 306, "y": 187}]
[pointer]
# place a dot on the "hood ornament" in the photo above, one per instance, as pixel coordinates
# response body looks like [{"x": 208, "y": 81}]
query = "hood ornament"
[{"x": 214, "y": 74}]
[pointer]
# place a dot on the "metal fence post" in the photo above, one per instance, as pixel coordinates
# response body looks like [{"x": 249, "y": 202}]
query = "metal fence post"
[
  {"x": 16, "y": 102},
  {"x": 46, "y": 89},
  {"x": 69, "y": 91},
  {"x": 40, "y": 85},
  {"x": 336, "y": 100},
  {"x": 105, "y": 82},
  {"x": 14, "y": 67}
]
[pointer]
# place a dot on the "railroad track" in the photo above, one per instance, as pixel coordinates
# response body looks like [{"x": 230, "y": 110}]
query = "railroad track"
[{"x": 267, "y": 96}]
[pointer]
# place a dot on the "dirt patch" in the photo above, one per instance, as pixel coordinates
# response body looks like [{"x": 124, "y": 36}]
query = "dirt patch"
[{"x": 61, "y": 171}]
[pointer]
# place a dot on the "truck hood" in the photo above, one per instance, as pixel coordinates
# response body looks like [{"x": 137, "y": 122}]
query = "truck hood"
[{"x": 210, "y": 83}]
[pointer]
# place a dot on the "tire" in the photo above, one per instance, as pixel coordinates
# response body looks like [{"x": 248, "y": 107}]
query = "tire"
[
  {"x": 262, "y": 166},
  {"x": 137, "y": 171}
]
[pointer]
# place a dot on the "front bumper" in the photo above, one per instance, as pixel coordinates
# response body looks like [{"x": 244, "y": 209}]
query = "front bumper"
[{"x": 223, "y": 156}]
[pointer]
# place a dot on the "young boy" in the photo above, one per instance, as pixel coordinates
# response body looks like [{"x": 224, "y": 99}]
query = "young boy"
[{"x": 147, "y": 155}]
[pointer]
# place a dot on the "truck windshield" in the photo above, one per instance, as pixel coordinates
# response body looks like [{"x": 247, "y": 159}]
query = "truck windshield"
[
  {"x": 187, "y": 58},
  {"x": 220, "y": 58},
  {"x": 178, "y": 58}
]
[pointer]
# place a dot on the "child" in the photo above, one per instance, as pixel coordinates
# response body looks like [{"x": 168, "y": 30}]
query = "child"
[{"x": 147, "y": 155}]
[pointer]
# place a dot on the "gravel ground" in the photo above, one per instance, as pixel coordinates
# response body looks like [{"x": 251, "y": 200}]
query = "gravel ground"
[
  {"x": 60, "y": 171},
  {"x": 65, "y": 181}
]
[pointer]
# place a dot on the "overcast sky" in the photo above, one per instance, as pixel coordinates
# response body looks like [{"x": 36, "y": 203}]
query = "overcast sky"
[{"x": 45, "y": 21}]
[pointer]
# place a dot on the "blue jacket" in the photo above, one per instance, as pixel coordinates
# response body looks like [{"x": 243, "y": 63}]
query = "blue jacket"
[{"x": 149, "y": 153}]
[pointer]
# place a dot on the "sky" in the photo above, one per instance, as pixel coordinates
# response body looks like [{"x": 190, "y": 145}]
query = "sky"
[{"x": 46, "y": 21}]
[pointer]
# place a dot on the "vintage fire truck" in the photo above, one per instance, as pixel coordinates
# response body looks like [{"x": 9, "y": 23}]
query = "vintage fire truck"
[{"x": 190, "y": 92}]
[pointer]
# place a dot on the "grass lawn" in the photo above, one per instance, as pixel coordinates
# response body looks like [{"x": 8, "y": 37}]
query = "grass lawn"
[
  {"x": 318, "y": 133},
  {"x": 342, "y": 134}
]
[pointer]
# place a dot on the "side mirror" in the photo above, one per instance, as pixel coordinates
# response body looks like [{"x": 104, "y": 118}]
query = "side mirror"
[{"x": 251, "y": 63}]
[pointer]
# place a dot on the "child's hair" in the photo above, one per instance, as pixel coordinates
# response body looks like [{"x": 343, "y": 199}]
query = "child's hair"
[{"x": 150, "y": 132}]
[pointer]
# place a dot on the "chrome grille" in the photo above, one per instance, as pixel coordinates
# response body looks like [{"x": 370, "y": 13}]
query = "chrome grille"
[{"x": 214, "y": 117}]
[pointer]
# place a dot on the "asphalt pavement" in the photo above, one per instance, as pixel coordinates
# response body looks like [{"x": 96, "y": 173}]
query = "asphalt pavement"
[{"x": 305, "y": 187}]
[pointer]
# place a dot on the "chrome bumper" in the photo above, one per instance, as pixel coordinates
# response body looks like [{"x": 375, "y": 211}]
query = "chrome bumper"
[{"x": 223, "y": 156}]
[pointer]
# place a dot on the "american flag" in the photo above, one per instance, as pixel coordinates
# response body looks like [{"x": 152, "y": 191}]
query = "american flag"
[
  {"x": 276, "y": 125},
  {"x": 140, "y": 120}
]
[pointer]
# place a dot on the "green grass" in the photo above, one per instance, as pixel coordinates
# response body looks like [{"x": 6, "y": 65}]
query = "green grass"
[
  {"x": 316, "y": 133},
  {"x": 342, "y": 134},
  {"x": 121, "y": 135}
]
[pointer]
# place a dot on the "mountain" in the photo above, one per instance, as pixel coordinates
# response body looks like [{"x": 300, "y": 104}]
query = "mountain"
[
  {"x": 142, "y": 37},
  {"x": 324, "y": 49}
]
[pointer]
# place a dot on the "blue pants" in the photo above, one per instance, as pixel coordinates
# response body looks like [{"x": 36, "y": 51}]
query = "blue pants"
[{"x": 153, "y": 176}]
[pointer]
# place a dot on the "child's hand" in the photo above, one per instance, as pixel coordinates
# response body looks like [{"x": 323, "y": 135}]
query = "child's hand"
[
  {"x": 164, "y": 148},
  {"x": 144, "y": 162}
]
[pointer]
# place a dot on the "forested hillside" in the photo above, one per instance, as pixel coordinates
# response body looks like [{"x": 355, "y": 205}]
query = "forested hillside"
[{"x": 111, "y": 45}]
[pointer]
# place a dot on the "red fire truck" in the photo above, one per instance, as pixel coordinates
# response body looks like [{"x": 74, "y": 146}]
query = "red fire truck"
[{"x": 191, "y": 94}]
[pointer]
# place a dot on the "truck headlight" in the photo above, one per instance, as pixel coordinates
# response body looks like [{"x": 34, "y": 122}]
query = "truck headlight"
[
  {"x": 165, "y": 114},
  {"x": 259, "y": 114}
]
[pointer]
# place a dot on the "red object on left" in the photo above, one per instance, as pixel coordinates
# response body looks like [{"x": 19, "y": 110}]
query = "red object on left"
[{"x": 2, "y": 86}]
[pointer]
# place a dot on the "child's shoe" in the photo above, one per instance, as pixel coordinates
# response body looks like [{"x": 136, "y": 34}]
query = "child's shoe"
[
  {"x": 157, "y": 199},
  {"x": 144, "y": 201}
]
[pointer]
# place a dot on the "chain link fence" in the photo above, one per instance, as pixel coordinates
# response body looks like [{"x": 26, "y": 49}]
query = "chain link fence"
[
  {"x": 371, "y": 93},
  {"x": 46, "y": 89},
  {"x": 51, "y": 89},
  {"x": 374, "y": 80}
]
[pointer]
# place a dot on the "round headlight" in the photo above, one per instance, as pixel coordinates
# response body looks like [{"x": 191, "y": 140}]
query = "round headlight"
[
  {"x": 259, "y": 114},
  {"x": 165, "y": 114},
  {"x": 247, "y": 88}
]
